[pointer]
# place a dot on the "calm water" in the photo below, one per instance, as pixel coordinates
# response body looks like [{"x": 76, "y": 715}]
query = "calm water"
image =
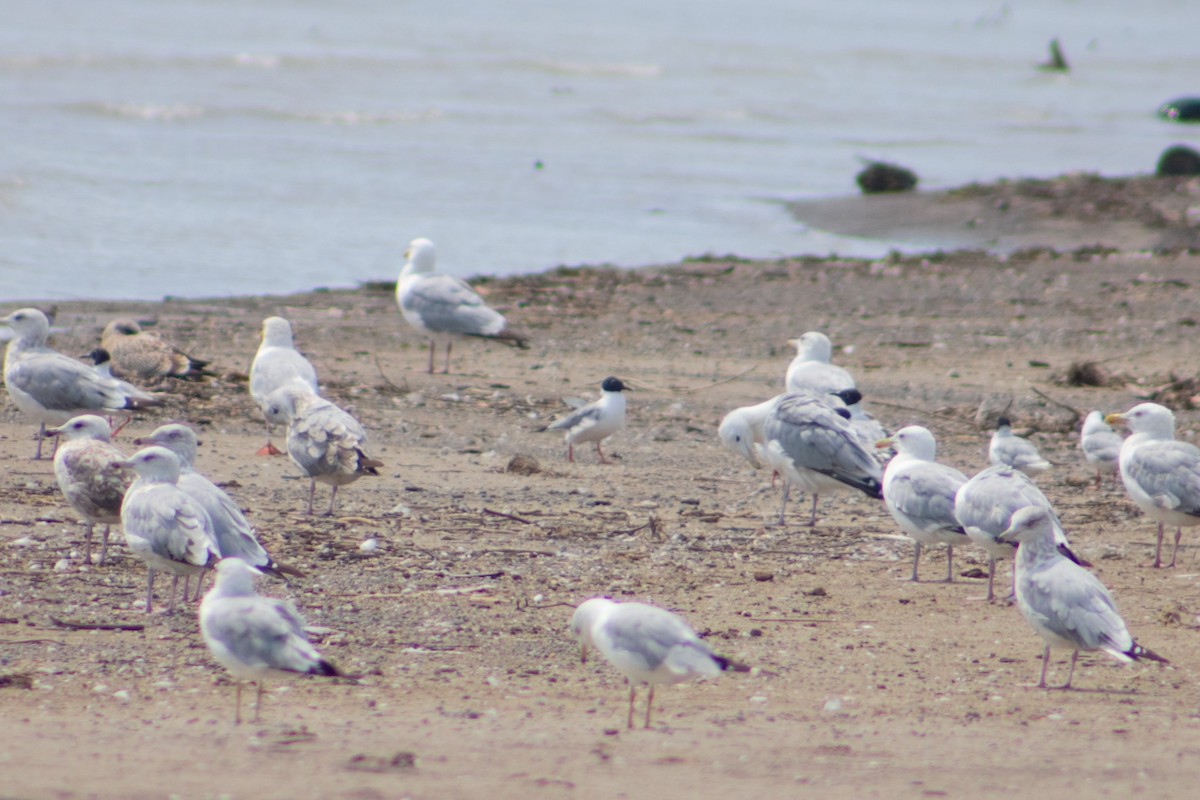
[{"x": 205, "y": 148}]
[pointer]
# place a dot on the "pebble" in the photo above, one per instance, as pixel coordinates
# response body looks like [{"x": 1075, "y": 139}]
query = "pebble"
[{"x": 369, "y": 545}]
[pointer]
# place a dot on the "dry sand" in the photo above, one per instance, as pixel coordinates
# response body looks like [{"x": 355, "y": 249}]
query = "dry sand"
[{"x": 866, "y": 685}]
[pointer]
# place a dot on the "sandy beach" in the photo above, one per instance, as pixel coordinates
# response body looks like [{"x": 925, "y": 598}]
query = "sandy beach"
[{"x": 865, "y": 684}]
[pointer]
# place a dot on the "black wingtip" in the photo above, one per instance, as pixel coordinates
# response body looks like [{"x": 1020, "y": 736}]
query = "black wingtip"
[
  {"x": 1137, "y": 653},
  {"x": 729, "y": 665},
  {"x": 1069, "y": 554},
  {"x": 327, "y": 669}
]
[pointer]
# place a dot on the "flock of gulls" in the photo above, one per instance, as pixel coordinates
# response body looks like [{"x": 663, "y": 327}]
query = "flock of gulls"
[{"x": 815, "y": 436}]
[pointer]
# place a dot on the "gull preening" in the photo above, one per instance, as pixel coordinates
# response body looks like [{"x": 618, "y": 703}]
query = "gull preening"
[
  {"x": 1067, "y": 605},
  {"x": 595, "y": 421},
  {"x": 146, "y": 356},
  {"x": 255, "y": 637},
  {"x": 919, "y": 493},
  {"x": 51, "y": 387},
  {"x": 646, "y": 644},
  {"x": 163, "y": 525},
  {"x": 1006, "y": 448},
  {"x": 89, "y": 471},
  {"x": 325, "y": 442},
  {"x": 443, "y": 307},
  {"x": 811, "y": 370},
  {"x": 1161, "y": 474},
  {"x": 1101, "y": 445},
  {"x": 276, "y": 364}
]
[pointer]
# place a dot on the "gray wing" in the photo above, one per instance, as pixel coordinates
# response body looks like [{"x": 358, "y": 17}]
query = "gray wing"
[
  {"x": 233, "y": 533},
  {"x": 1104, "y": 446},
  {"x": 1170, "y": 473},
  {"x": 261, "y": 633},
  {"x": 926, "y": 495},
  {"x": 645, "y": 637},
  {"x": 589, "y": 415},
  {"x": 817, "y": 438},
  {"x": 989, "y": 500},
  {"x": 59, "y": 383},
  {"x": 325, "y": 439},
  {"x": 172, "y": 525},
  {"x": 276, "y": 367},
  {"x": 1071, "y": 603},
  {"x": 445, "y": 304}
]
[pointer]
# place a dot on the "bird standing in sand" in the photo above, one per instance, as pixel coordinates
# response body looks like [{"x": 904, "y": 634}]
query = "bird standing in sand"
[
  {"x": 276, "y": 364},
  {"x": 89, "y": 473},
  {"x": 595, "y": 421},
  {"x": 1007, "y": 448},
  {"x": 812, "y": 370},
  {"x": 146, "y": 356},
  {"x": 1101, "y": 446}
]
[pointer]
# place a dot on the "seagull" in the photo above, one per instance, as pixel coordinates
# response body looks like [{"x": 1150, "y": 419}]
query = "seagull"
[
  {"x": 51, "y": 387},
  {"x": 325, "y": 442},
  {"x": 985, "y": 505},
  {"x": 442, "y": 306},
  {"x": 645, "y": 644},
  {"x": 595, "y": 421},
  {"x": 741, "y": 431},
  {"x": 146, "y": 355},
  {"x": 1005, "y": 448},
  {"x": 254, "y": 636},
  {"x": 233, "y": 532},
  {"x": 868, "y": 429},
  {"x": 813, "y": 447},
  {"x": 89, "y": 473},
  {"x": 811, "y": 370},
  {"x": 1067, "y": 605},
  {"x": 1101, "y": 445},
  {"x": 102, "y": 361},
  {"x": 278, "y": 363},
  {"x": 163, "y": 525},
  {"x": 1162, "y": 475},
  {"x": 919, "y": 493}
]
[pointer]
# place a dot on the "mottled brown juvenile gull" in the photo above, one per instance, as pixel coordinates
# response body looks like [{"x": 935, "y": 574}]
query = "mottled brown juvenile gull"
[
  {"x": 146, "y": 356},
  {"x": 89, "y": 471},
  {"x": 595, "y": 421},
  {"x": 276, "y": 364}
]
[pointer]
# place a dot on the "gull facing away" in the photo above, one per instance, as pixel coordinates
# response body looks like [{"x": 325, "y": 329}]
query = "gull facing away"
[
  {"x": 1067, "y": 605},
  {"x": 89, "y": 471},
  {"x": 985, "y": 505},
  {"x": 646, "y": 644},
  {"x": 146, "y": 356},
  {"x": 814, "y": 448},
  {"x": 595, "y": 421},
  {"x": 1007, "y": 448},
  {"x": 255, "y": 637},
  {"x": 325, "y": 442},
  {"x": 443, "y": 307},
  {"x": 811, "y": 370},
  {"x": 51, "y": 387},
  {"x": 1161, "y": 474},
  {"x": 1101, "y": 445},
  {"x": 919, "y": 493},
  {"x": 233, "y": 532},
  {"x": 164, "y": 526},
  {"x": 276, "y": 364}
]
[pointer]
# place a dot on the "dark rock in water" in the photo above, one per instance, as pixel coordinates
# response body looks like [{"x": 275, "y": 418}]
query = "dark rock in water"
[
  {"x": 879, "y": 177},
  {"x": 1178, "y": 160},
  {"x": 1057, "y": 62},
  {"x": 1183, "y": 109}
]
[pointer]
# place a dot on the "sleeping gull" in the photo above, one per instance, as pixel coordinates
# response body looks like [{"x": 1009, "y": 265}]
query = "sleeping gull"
[
  {"x": 1006, "y": 448},
  {"x": 811, "y": 370},
  {"x": 51, "y": 387},
  {"x": 595, "y": 421},
  {"x": 254, "y": 636},
  {"x": 645, "y": 644},
  {"x": 1101, "y": 445},
  {"x": 1067, "y": 605},
  {"x": 1162, "y": 475},
  {"x": 325, "y": 442},
  {"x": 442, "y": 306},
  {"x": 276, "y": 364},
  {"x": 233, "y": 532},
  {"x": 919, "y": 493},
  {"x": 88, "y": 469},
  {"x": 814, "y": 448},
  {"x": 146, "y": 355},
  {"x": 163, "y": 525}
]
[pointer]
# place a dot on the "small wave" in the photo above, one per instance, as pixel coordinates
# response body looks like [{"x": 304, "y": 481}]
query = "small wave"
[
  {"x": 362, "y": 117},
  {"x": 154, "y": 112},
  {"x": 611, "y": 70}
]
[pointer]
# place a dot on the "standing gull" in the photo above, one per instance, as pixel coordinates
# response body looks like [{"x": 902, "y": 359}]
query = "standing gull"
[
  {"x": 254, "y": 636},
  {"x": 164, "y": 526},
  {"x": 1101, "y": 445},
  {"x": 811, "y": 370},
  {"x": 595, "y": 421},
  {"x": 1067, "y": 605},
  {"x": 89, "y": 473},
  {"x": 919, "y": 493},
  {"x": 868, "y": 429},
  {"x": 814, "y": 448},
  {"x": 442, "y": 306},
  {"x": 325, "y": 442},
  {"x": 146, "y": 355},
  {"x": 1007, "y": 448},
  {"x": 276, "y": 364},
  {"x": 51, "y": 387},
  {"x": 645, "y": 644},
  {"x": 1162, "y": 475}
]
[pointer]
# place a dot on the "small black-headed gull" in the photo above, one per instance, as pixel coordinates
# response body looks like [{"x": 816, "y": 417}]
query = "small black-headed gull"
[
  {"x": 595, "y": 421},
  {"x": 645, "y": 644},
  {"x": 51, "y": 387},
  {"x": 1101, "y": 445},
  {"x": 1007, "y": 448},
  {"x": 1162, "y": 475},
  {"x": 811, "y": 370},
  {"x": 255, "y": 637},
  {"x": 444, "y": 307},
  {"x": 89, "y": 471},
  {"x": 145, "y": 355},
  {"x": 276, "y": 364},
  {"x": 1067, "y": 605}
]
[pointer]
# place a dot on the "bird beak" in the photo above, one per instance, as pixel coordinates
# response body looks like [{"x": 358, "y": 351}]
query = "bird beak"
[
  {"x": 54, "y": 431},
  {"x": 1115, "y": 419},
  {"x": 883, "y": 443}
]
